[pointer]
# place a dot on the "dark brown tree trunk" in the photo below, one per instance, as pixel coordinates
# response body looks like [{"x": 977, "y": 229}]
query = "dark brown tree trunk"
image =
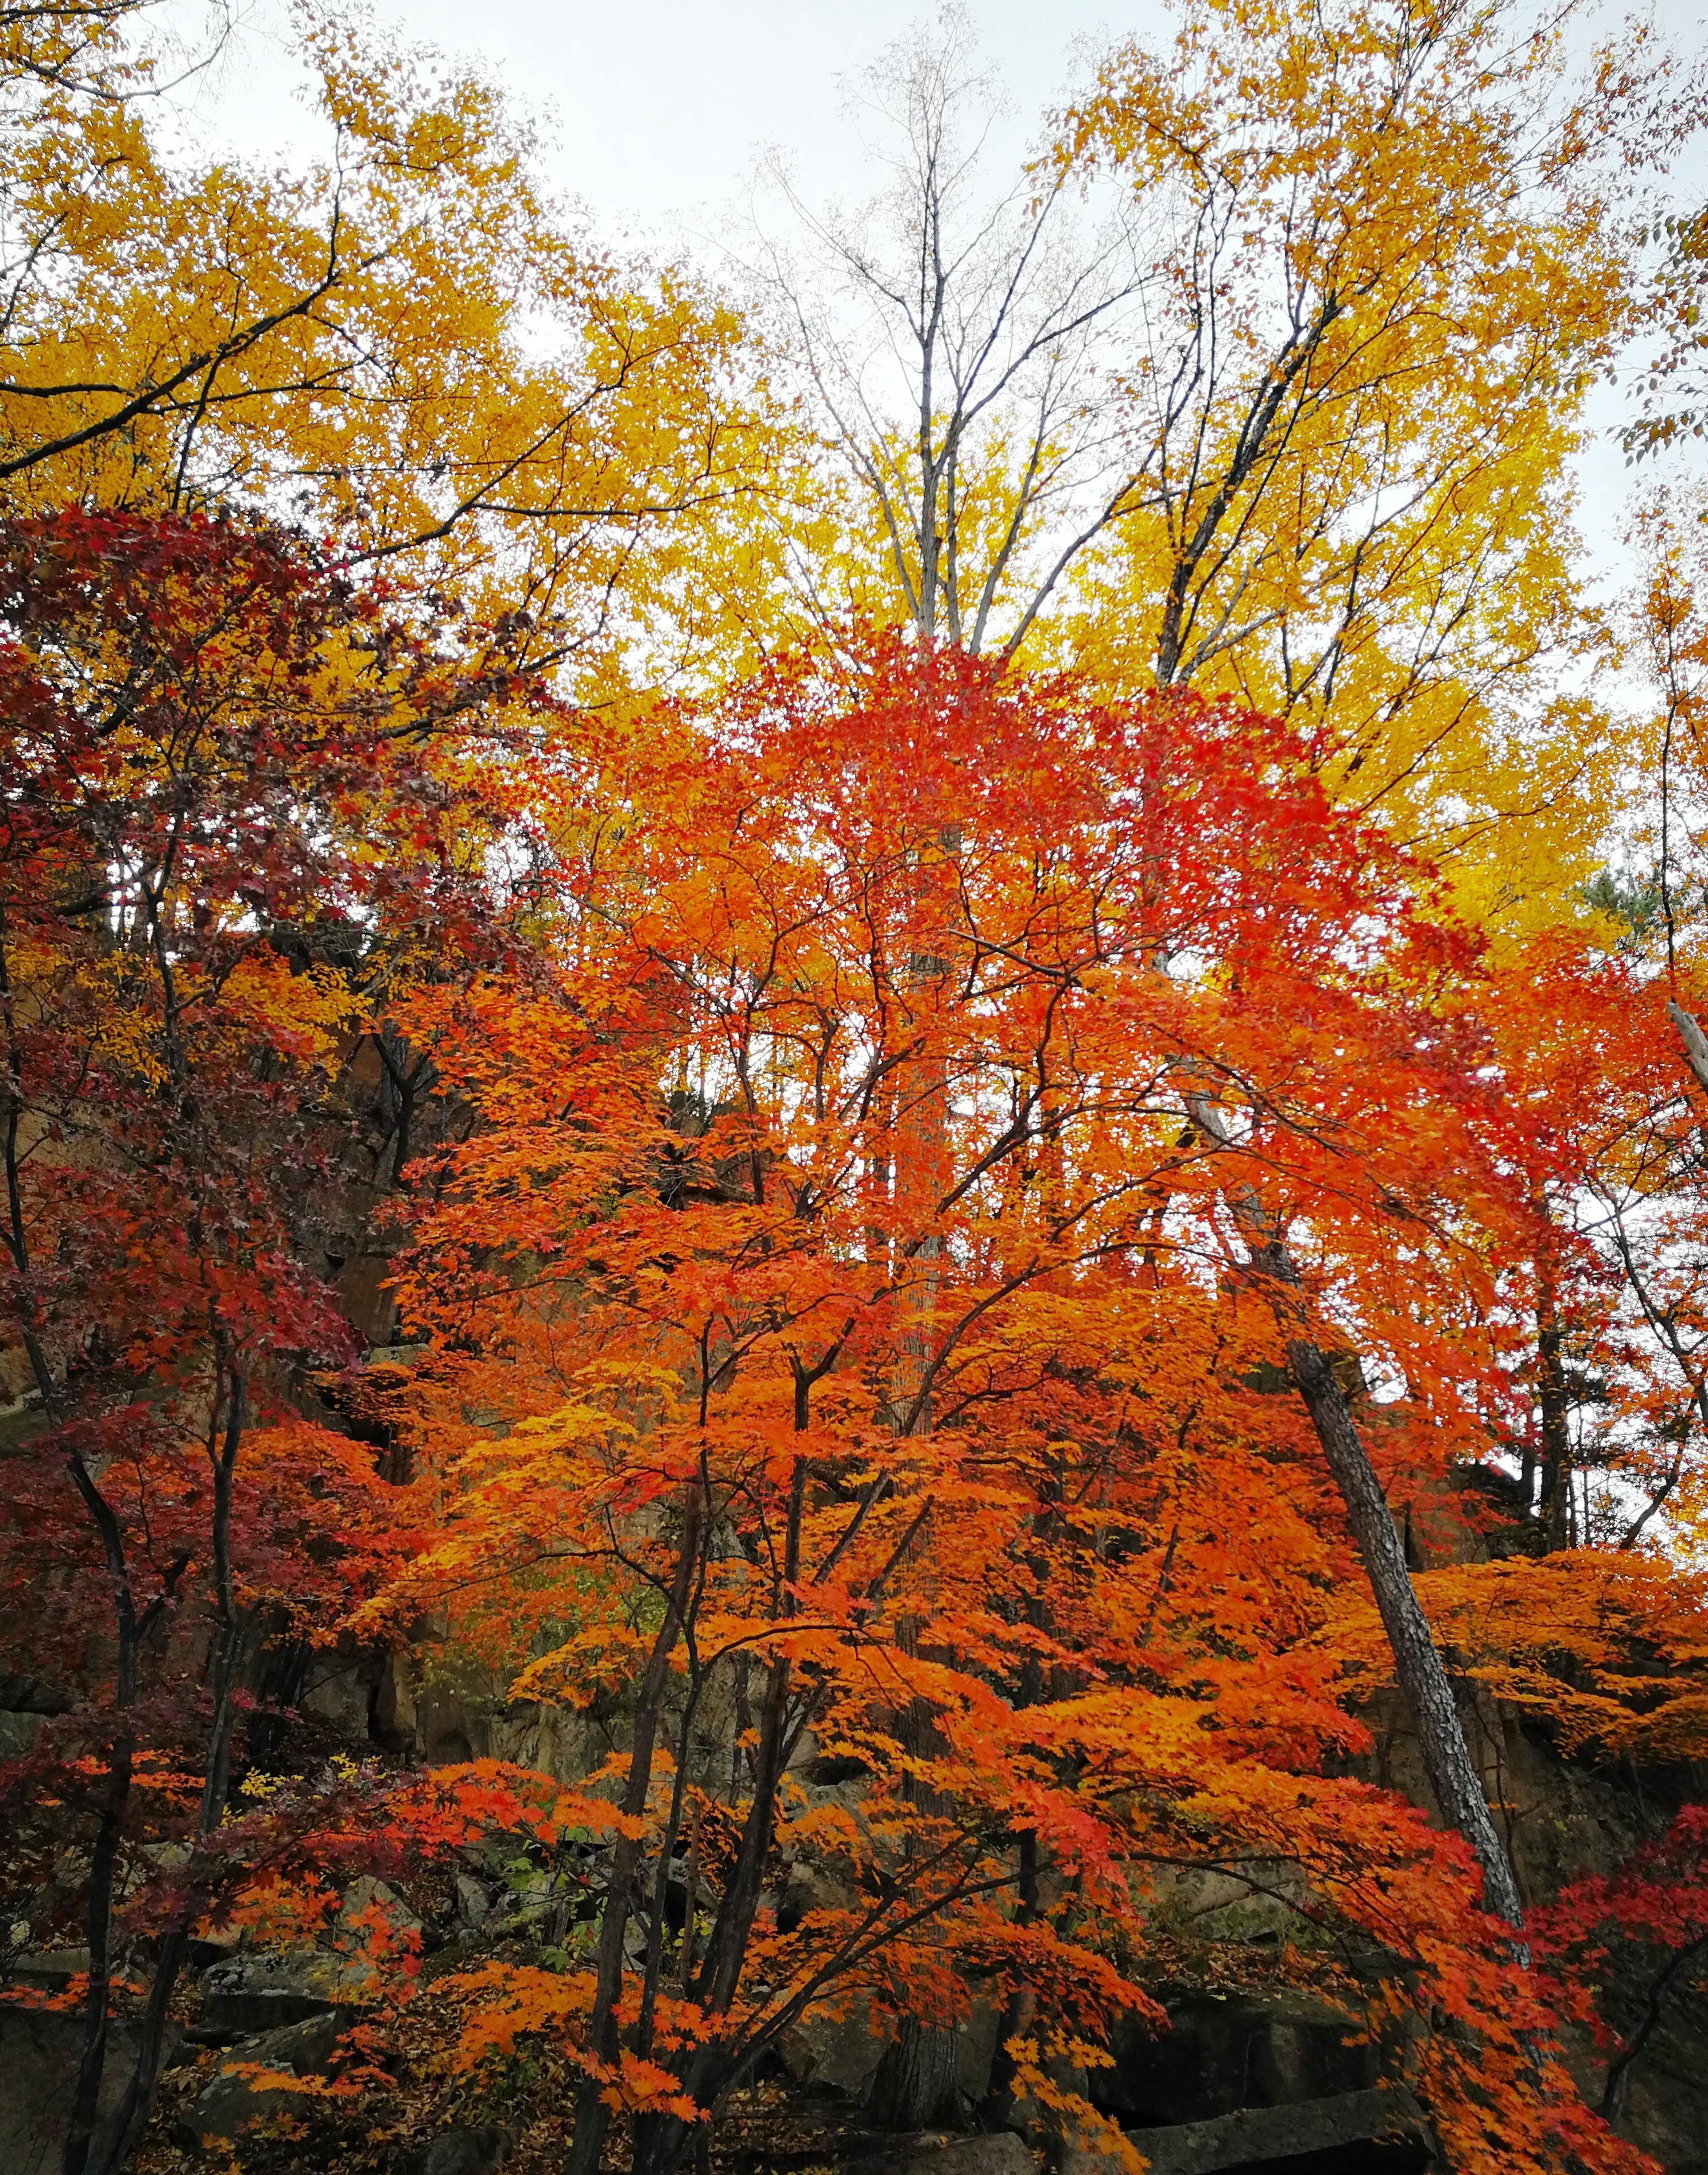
[
  {"x": 91, "y": 2068},
  {"x": 998, "y": 2107},
  {"x": 915, "y": 2085},
  {"x": 105, "y": 2147},
  {"x": 662, "y": 2141},
  {"x": 591, "y": 2115},
  {"x": 1556, "y": 1428},
  {"x": 115, "y": 2141}
]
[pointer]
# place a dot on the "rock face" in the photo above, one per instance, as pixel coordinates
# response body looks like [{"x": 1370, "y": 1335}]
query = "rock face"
[
  {"x": 465, "y": 2152},
  {"x": 267, "y": 1992},
  {"x": 50, "y": 1970},
  {"x": 1223, "y": 2056},
  {"x": 838, "y": 2055},
  {"x": 262, "y": 1990},
  {"x": 39, "y": 2053},
  {"x": 237, "y": 2100},
  {"x": 473, "y": 1902},
  {"x": 1561, "y": 1818}
]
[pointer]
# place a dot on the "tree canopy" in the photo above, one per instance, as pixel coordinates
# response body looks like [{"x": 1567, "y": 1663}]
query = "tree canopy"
[{"x": 906, "y": 1038}]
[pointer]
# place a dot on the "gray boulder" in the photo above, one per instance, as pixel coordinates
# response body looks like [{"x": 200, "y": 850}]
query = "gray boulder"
[
  {"x": 473, "y": 1902},
  {"x": 830, "y": 2053},
  {"x": 839, "y": 2054},
  {"x": 50, "y": 1969},
  {"x": 360, "y": 1901},
  {"x": 935, "y": 2152},
  {"x": 234, "y": 2102},
  {"x": 1390, "y": 2123},
  {"x": 265, "y": 1991},
  {"x": 465, "y": 2152},
  {"x": 39, "y": 2050},
  {"x": 1221, "y": 2054}
]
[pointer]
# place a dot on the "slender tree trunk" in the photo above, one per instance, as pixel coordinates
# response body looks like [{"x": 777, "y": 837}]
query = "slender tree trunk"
[
  {"x": 1619, "y": 2076},
  {"x": 1418, "y": 1669},
  {"x": 104, "y": 2148},
  {"x": 115, "y": 2142},
  {"x": 129, "y": 1627},
  {"x": 591, "y": 2115},
  {"x": 661, "y": 2141},
  {"x": 1021, "y": 2008},
  {"x": 1556, "y": 1416},
  {"x": 916, "y": 2080},
  {"x": 915, "y": 2084},
  {"x": 97, "y": 2001},
  {"x": 1556, "y": 1459}
]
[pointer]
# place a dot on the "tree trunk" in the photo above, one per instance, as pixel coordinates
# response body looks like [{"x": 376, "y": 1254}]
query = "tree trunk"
[
  {"x": 915, "y": 2085},
  {"x": 117, "y": 2141},
  {"x": 1417, "y": 1667},
  {"x": 591, "y": 2115},
  {"x": 97, "y": 2001},
  {"x": 1556, "y": 1414}
]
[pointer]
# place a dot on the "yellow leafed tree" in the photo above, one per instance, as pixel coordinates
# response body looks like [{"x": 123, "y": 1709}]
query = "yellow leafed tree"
[
  {"x": 1268, "y": 377},
  {"x": 1401, "y": 249},
  {"x": 407, "y": 341}
]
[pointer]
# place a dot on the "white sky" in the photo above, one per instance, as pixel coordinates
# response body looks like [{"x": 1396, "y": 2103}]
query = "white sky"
[{"x": 657, "y": 109}]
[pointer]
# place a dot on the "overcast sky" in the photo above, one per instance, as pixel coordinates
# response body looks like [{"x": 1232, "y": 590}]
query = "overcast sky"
[{"x": 658, "y": 108}]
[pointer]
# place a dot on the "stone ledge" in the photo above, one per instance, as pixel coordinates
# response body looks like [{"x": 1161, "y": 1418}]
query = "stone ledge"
[{"x": 1254, "y": 2135}]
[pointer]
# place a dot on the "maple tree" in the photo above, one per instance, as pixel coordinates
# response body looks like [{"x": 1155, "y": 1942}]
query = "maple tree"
[
  {"x": 842, "y": 1327},
  {"x": 1602, "y": 1066},
  {"x": 227, "y": 832},
  {"x": 1657, "y": 1905},
  {"x": 1355, "y": 202},
  {"x": 406, "y": 341}
]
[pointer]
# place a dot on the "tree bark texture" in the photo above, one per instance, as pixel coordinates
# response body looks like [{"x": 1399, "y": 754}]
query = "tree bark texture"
[{"x": 1418, "y": 1669}]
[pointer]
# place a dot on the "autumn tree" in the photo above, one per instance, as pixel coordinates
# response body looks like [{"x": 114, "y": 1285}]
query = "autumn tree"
[
  {"x": 407, "y": 342},
  {"x": 1643, "y": 1090},
  {"x": 1668, "y": 378},
  {"x": 866, "y": 1094},
  {"x": 1295, "y": 284},
  {"x": 1265, "y": 376},
  {"x": 234, "y": 817},
  {"x": 964, "y": 345},
  {"x": 1644, "y": 1928}
]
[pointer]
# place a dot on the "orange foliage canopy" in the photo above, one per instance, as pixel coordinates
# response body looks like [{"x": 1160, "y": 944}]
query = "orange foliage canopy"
[{"x": 842, "y": 1344}]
